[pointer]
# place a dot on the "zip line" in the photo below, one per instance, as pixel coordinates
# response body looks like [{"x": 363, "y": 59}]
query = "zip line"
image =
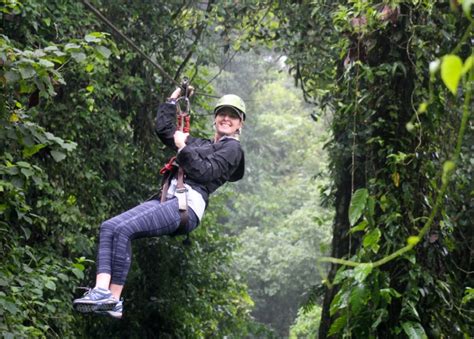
[{"x": 137, "y": 49}]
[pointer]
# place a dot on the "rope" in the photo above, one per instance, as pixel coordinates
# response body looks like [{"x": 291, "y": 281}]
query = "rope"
[{"x": 137, "y": 49}]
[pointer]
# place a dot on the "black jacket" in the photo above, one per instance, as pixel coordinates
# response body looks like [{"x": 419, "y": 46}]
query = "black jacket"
[{"x": 207, "y": 165}]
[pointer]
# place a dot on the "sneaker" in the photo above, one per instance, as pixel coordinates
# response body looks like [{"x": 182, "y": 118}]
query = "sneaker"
[
  {"x": 96, "y": 299},
  {"x": 116, "y": 312}
]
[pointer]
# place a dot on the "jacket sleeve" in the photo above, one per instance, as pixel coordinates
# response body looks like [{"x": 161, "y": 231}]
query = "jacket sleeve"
[
  {"x": 165, "y": 124},
  {"x": 204, "y": 166}
]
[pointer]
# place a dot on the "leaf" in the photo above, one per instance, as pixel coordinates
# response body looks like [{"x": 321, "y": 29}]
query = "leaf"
[
  {"x": 359, "y": 297},
  {"x": 27, "y": 232},
  {"x": 9, "y": 306},
  {"x": 47, "y": 21},
  {"x": 63, "y": 276},
  {"x": 27, "y": 172},
  {"x": 466, "y": 7},
  {"x": 388, "y": 293},
  {"x": 58, "y": 156},
  {"x": 50, "y": 285},
  {"x": 89, "y": 68},
  {"x": 468, "y": 295},
  {"x": 396, "y": 179},
  {"x": 91, "y": 38},
  {"x": 451, "y": 71},
  {"x": 78, "y": 56},
  {"x": 78, "y": 273},
  {"x": 414, "y": 330},
  {"x": 338, "y": 325},
  {"x": 79, "y": 266},
  {"x": 467, "y": 65},
  {"x": 381, "y": 314},
  {"x": 14, "y": 118},
  {"x": 51, "y": 308},
  {"x": 339, "y": 302},
  {"x": 104, "y": 51},
  {"x": 11, "y": 76},
  {"x": 23, "y": 164},
  {"x": 38, "y": 181},
  {"x": 46, "y": 63},
  {"x": 434, "y": 66},
  {"x": 27, "y": 72},
  {"x": 51, "y": 48},
  {"x": 358, "y": 201},
  {"x": 343, "y": 274},
  {"x": 360, "y": 226},
  {"x": 371, "y": 239},
  {"x": 370, "y": 210},
  {"x": 3, "y": 208},
  {"x": 362, "y": 271},
  {"x": 71, "y": 46},
  {"x": 69, "y": 145},
  {"x": 29, "y": 151}
]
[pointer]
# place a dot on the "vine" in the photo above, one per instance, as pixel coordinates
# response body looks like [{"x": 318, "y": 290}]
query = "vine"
[
  {"x": 406, "y": 189},
  {"x": 451, "y": 80}
]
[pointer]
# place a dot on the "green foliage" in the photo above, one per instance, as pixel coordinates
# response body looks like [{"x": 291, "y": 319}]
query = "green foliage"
[
  {"x": 280, "y": 228},
  {"x": 39, "y": 220},
  {"x": 451, "y": 69},
  {"x": 306, "y": 325},
  {"x": 358, "y": 202},
  {"x": 78, "y": 147},
  {"x": 372, "y": 72},
  {"x": 76, "y": 112}
]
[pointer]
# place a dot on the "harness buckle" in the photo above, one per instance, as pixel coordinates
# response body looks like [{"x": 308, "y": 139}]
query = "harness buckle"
[{"x": 181, "y": 195}]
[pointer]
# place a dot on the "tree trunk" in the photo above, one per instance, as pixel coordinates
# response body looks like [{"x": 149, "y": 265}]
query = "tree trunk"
[{"x": 340, "y": 244}]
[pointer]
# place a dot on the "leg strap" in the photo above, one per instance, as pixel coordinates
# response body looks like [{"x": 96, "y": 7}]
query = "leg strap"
[{"x": 182, "y": 195}]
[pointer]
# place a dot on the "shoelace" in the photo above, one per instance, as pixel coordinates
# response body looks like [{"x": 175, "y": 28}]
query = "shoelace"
[{"x": 87, "y": 289}]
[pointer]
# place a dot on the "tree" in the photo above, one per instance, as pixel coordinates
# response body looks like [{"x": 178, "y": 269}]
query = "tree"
[{"x": 393, "y": 129}]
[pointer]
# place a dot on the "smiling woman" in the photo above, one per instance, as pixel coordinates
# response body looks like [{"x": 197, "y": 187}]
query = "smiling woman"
[
  {"x": 200, "y": 167},
  {"x": 228, "y": 122}
]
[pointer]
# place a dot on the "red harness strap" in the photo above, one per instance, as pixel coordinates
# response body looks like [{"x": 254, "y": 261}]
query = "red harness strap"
[
  {"x": 168, "y": 167},
  {"x": 183, "y": 124}
]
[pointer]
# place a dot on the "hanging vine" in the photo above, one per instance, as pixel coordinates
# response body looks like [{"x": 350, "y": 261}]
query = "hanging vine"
[{"x": 401, "y": 183}]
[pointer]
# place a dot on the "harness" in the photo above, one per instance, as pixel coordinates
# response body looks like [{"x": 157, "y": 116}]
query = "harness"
[{"x": 171, "y": 168}]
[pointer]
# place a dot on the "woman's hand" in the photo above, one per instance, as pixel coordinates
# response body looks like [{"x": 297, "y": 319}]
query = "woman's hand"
[
  {"x": 180, "y": 139},
  {"x": 176, "y": 94}
]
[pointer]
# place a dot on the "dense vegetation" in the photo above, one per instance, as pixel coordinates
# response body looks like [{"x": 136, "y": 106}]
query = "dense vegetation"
[
  {"x": 393, "y": 79},
  {"x": 401, "y": 164},
  {"x": 77, "y": 121}
]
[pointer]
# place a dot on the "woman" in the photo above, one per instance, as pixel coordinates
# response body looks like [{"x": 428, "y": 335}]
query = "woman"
[{"x": 207, "y": 164}]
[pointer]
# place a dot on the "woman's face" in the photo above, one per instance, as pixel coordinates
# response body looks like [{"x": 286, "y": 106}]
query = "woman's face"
[{"x": 227, "y": 121}]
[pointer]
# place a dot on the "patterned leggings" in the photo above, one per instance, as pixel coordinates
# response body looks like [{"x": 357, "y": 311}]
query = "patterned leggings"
[{"x": 149, "y": 219}]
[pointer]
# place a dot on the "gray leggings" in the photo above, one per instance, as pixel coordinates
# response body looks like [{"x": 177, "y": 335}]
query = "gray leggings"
[{"x": 149, "y": 219}]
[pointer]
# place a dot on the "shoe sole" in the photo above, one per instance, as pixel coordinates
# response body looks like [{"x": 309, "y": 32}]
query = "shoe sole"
[
  {"x": 110, "y": 314},
  {"x": 88, "y": 308}
]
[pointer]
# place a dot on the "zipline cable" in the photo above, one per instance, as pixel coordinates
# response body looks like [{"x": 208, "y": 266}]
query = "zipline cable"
[
  {"x": 130, "y": 42},
  {"x": 136, "y": 48}
]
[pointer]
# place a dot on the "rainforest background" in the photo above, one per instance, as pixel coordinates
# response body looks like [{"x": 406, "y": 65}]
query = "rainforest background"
[{"x": 354, "y": 218}]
